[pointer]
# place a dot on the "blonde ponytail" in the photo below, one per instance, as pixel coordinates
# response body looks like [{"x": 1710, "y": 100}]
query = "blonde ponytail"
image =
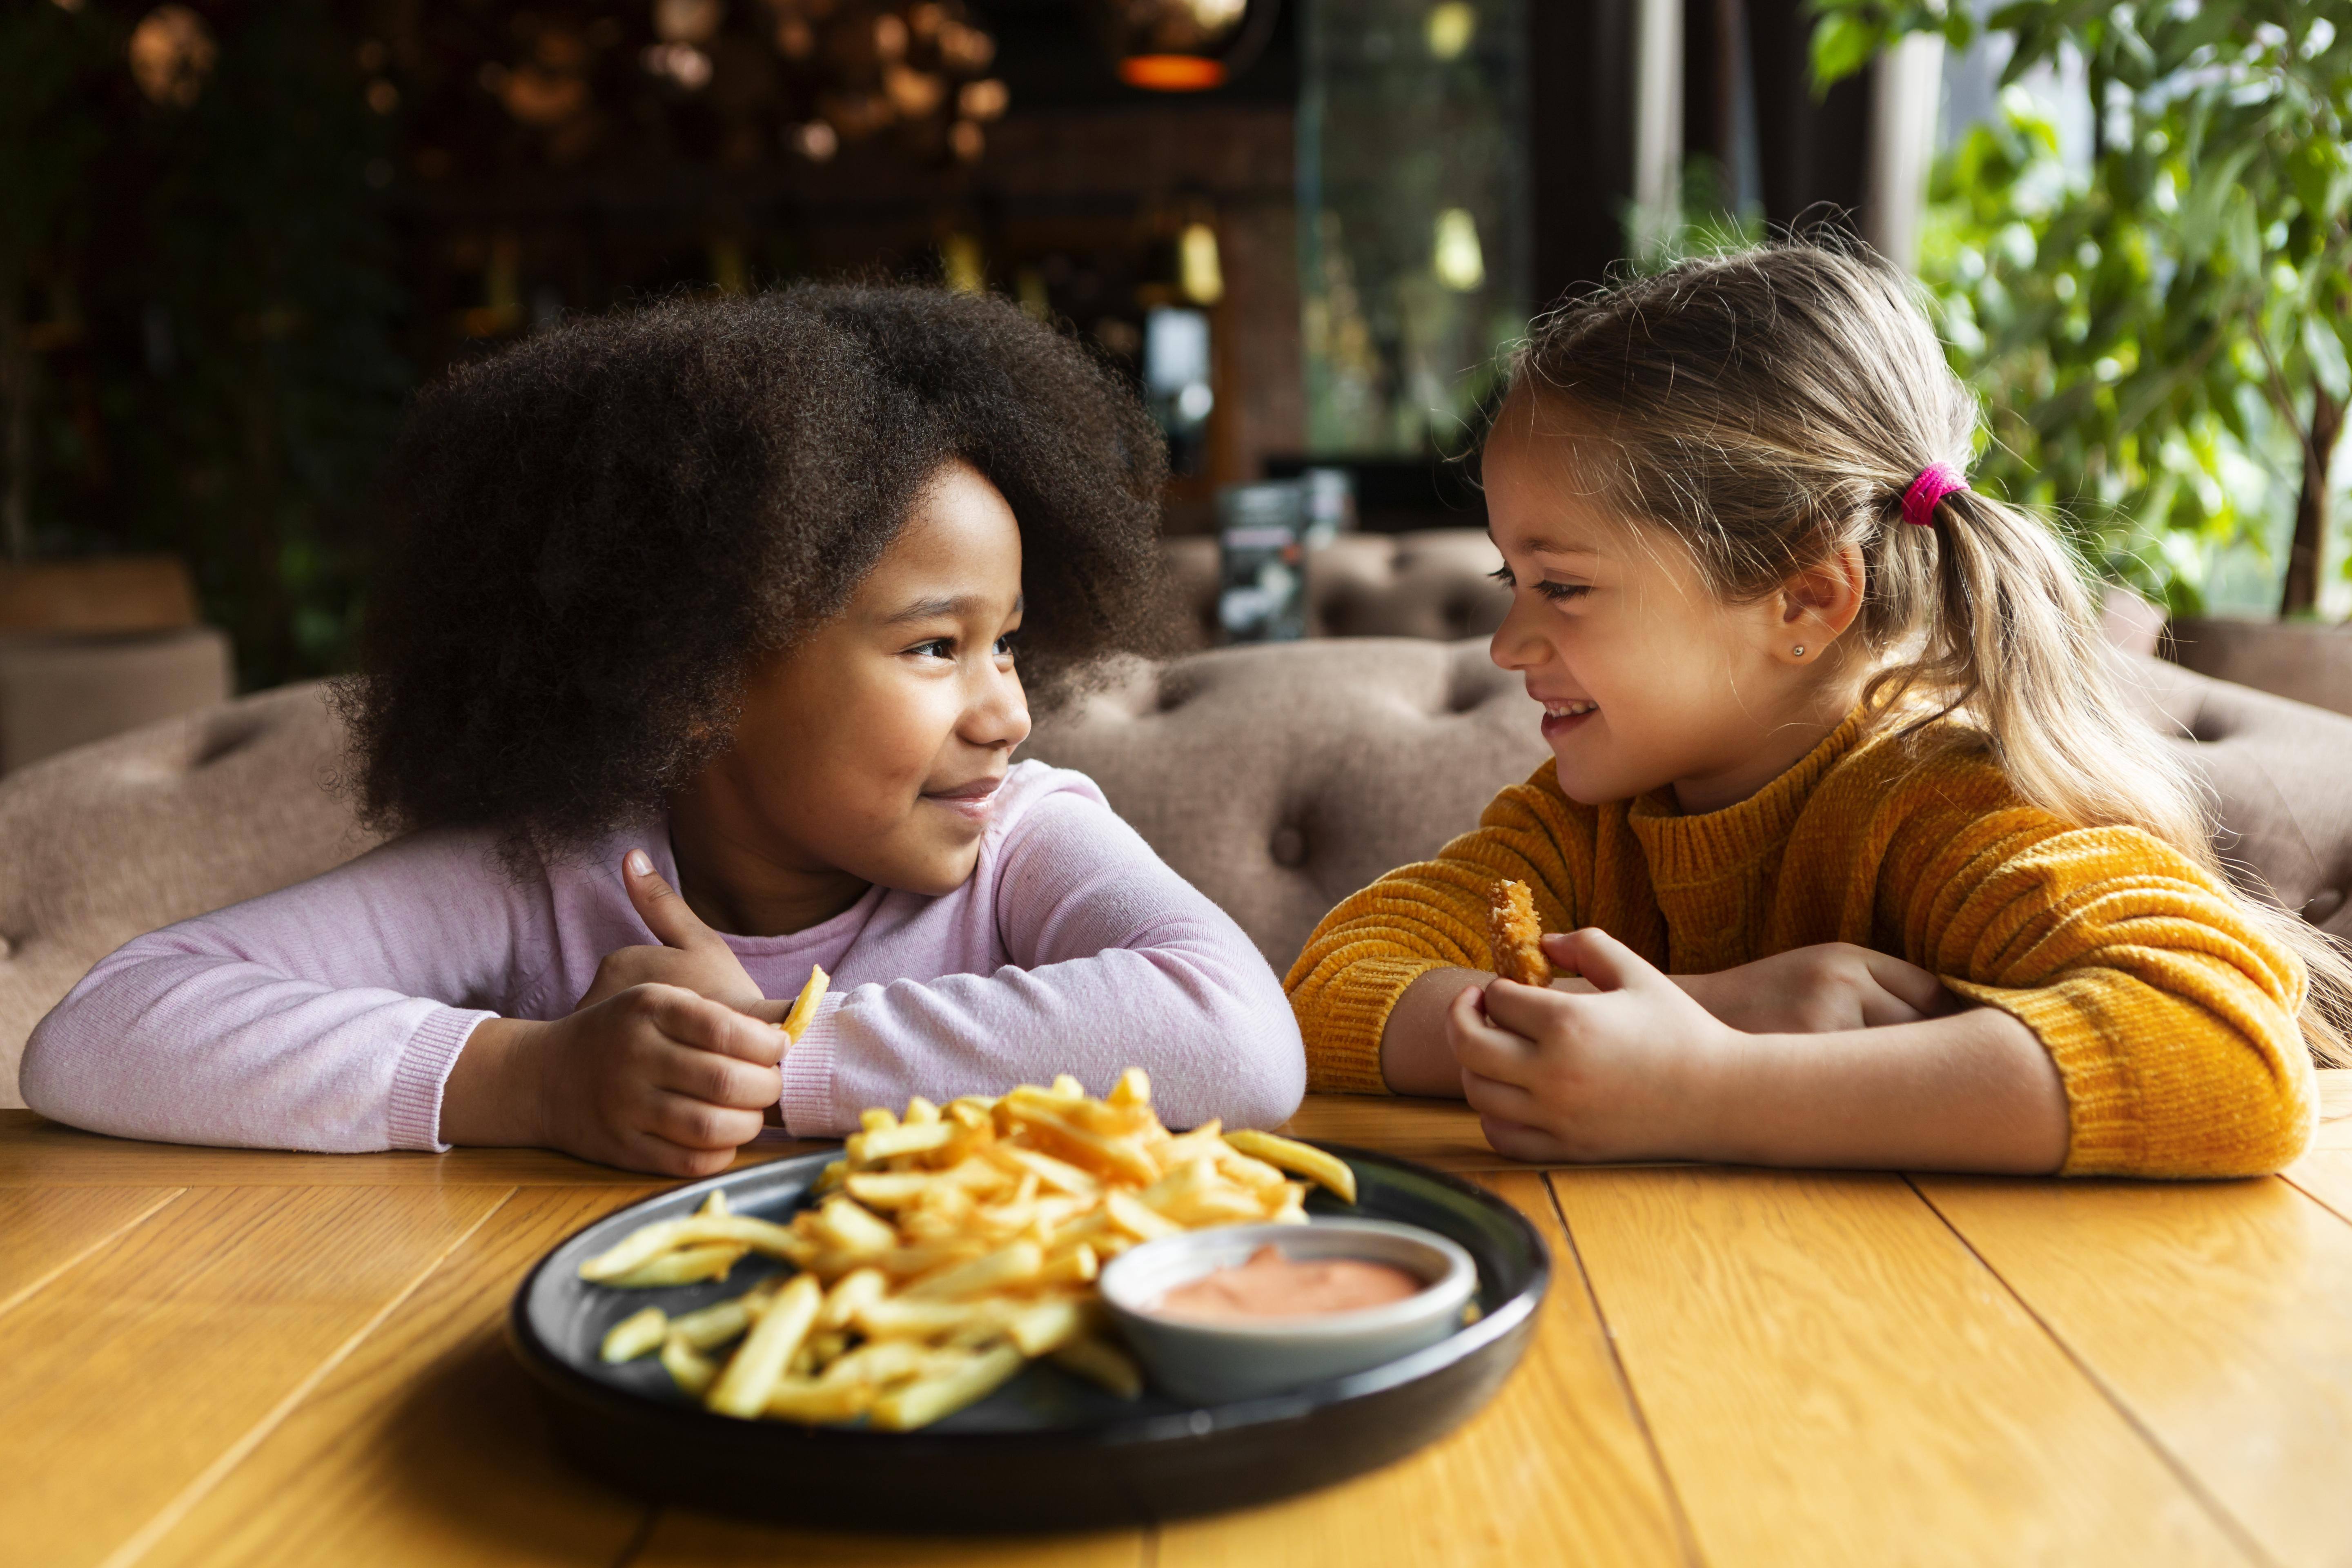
[{"x": 1771, "y": 407}]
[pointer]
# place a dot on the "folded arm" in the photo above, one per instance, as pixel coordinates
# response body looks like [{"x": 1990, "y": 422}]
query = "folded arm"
[
  {"x": 1117, "y": 961},
  {"x": 324, "y": 1016}
]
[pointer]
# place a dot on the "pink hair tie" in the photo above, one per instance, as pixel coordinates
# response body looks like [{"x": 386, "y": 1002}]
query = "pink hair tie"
[{"x": 1936, "y": 481}]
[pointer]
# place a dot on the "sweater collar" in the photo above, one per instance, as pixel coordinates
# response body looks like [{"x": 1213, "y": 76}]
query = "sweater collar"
[{"x": 1700, "y": 849}]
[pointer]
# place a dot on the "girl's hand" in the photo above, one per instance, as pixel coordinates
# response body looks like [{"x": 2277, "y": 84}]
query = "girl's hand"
[
  {"x": 1820, "y": 990},
  {"x": 1614, "y": 1074},
  {"x": 692, "y": 956},
  {"x": 652, "y": 1078}
]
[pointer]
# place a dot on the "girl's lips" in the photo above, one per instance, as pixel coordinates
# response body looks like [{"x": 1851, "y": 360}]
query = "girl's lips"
[
  {"x": 1560, "y": 717},
  {"x": 974, "y": 801}
]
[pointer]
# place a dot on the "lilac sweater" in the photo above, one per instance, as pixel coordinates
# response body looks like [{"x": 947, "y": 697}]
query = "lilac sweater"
[{"x": 327, "y": 1016}]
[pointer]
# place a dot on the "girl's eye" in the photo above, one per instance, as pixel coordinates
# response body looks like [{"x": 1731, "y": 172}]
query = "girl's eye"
[
  {"x": 1556, "y": 592},
  {"x": 1005, "y": 649},
  {"x": 938, "y": 648}
]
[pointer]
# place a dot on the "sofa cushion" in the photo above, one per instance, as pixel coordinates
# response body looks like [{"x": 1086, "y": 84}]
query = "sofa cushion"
[
  {"x": 1278, "y": 778},
  {"x": 1432, "y": 584}
]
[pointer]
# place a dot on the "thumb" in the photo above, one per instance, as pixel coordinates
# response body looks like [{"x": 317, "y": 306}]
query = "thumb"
[
  {"x": 657, "y": 904},
  {"x": 1602, "y": 959}
]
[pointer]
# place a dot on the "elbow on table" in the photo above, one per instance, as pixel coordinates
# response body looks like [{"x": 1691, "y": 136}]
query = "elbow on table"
[
  {"x": 2254, "y": 1118},
  {"x": 1260, "y": 1068}
]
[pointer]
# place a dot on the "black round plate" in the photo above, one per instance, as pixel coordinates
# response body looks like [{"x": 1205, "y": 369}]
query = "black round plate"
[{"x": 1044, "y": 1452}]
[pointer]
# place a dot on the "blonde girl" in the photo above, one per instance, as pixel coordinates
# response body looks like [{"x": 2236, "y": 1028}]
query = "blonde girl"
[{"x": 1851, "y": 852}]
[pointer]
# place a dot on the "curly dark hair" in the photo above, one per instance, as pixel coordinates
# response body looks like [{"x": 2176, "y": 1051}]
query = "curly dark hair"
[{"x": 592, "y": 537}]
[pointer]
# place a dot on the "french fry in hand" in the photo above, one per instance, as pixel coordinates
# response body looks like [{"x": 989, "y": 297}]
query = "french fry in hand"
[
  {"x": 947, "y": 1248},
  {"x": 804, "y": 1007}
]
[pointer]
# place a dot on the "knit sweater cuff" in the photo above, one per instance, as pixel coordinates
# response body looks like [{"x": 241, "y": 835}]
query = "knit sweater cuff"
[
  {"x": 2103, "y": 1114},
  {"x": 413, "y": 1118},
  {"x": 808, "y": 1075},
  {"x": 1350, "y": 1011}
]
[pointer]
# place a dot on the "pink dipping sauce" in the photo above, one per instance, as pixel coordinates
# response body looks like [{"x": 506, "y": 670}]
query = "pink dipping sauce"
[{"x": 1272, "y": 1285}]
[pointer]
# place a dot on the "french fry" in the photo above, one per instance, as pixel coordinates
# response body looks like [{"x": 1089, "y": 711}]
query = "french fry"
[
  {"x": 646, "y": 1244},
  {"x": 868, "y": 1148},
  {"x": 742, "y": 1388},
  {"x": 1019, "y": 1264},
  {"x": 1299, "y": 1159},
  {"x": 803, "y": 1008},
  {"x": 634, "y": 1335},
  {"x": 854, "y": 1229},
  {"x": 715, "y": 1204},
  {"x": 1046, "y": 1326},
  {"x": 1101, "y": 1364},
  {"x": 688, "y": 1368},
  {"x": 714, "y": 1325},
  {"x": 943, "y": 1393},
  {"x": 813, "y": 1402},
  {"x": 899, "y": 1319},
  {"x": 1133, "y": 1088},
  {"x": 1131, "y": 1215},
  {"x": 850, "y": 1294},
  {"x": 685, "y": 1266},
  {"x": 880, "y": 1362}
]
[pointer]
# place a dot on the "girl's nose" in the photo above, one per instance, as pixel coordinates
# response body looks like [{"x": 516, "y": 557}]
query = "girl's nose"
[
  {"x": 1516, "y": 643},
  {"x": 999, "y": 713}
]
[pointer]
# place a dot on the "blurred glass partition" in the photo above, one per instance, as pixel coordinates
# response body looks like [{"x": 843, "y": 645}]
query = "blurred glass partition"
[{"x": 1414, "y": 222}]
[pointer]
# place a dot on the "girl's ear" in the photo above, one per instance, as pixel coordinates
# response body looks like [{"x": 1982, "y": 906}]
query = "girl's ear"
[{"x": 1817, "y": 604}]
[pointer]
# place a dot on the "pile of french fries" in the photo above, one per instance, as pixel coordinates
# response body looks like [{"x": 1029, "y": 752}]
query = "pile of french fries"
[{"x": 945, "y": 1250}]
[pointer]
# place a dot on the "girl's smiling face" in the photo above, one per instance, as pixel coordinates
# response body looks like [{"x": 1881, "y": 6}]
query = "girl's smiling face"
[
  {"x": 1647, "y": 679},
  {"x": 871, "y": 752}
]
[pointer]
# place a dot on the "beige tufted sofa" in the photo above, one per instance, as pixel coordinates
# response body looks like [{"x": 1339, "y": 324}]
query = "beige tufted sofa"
[
  {"x": 1278, "y": 779},
  {"x": 1428, "y": 585}
]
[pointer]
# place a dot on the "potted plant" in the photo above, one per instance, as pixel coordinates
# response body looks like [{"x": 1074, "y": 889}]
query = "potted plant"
[{"x": 2161, "y": 338}]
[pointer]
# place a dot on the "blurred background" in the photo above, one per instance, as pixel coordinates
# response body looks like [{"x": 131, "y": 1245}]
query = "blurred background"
[{"x": 236, "y": 234}]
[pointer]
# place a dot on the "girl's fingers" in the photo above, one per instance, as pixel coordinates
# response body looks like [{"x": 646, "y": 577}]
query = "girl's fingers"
[
  {"x": 692, "y": 1020},
  {"x": 651, "y": 1152},
  {"x": 1525, "y": 1012},
  {"x": 1906, "y": 983},
  {"x": 1606, "y": 962},
  {"x": 1518, "y": 1141},
  {"x": 1493, "y": 1097},
  {"x": 1484, "y": 1047},
  {"x": 717, "y": 1080},
  {"x": 696, "y": 1124},
  {"x": 666, "y": 915}
]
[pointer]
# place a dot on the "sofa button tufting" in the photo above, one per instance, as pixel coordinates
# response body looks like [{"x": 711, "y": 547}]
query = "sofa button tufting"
[
  {"x": 2323, "y": 904},
  {"x": 7, "y": 948},
  {"x": 1289, "y": 846}
]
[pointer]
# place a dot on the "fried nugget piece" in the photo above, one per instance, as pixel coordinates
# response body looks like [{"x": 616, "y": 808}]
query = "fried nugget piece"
[{"x": 1515, "y": 934}]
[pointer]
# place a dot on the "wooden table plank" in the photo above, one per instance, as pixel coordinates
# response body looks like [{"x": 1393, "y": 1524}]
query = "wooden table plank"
[
  {"x": 1440, "y": 1132},
  {"x": 43, "y": 1231},
  {"x": 2325, "y": 1176},
  {"x": 2220, "y": 1315},
  {"x": 1832, "y": 1378},
  {"x": 35, "y": 1152},
  {"x": 136, "y": 1375},
  {"x": 424, "y": 1443},
  {"x": 684, "y": 1539},
  {"x": 1556, "y": 1470}
]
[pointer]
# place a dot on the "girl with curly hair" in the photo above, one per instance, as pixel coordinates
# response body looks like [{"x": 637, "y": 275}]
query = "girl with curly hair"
[{"x": 693, "y": 666}]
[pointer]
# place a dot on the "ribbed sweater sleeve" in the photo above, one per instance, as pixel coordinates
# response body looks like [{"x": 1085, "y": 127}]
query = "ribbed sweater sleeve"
[
  {"x": 2170, "y": 1019},
  {"x": 1432, "y": 915}
]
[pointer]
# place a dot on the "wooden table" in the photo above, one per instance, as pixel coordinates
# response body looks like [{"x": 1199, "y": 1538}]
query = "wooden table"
[{"x": 213, "y": 1356}]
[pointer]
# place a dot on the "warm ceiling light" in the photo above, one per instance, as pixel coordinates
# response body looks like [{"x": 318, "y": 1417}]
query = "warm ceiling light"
[
  {"x": 1171, "y": 73},
  {"x": 172, "y": 51}
]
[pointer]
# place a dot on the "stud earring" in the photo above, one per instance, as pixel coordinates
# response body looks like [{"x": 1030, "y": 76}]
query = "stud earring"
[{"x": 1798, "y": 650}]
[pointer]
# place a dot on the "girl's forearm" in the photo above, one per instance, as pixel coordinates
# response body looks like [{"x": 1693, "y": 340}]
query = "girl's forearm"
[
  {"x": 1974, "y": 1090},
  {"x": 491, "y": 1096}
]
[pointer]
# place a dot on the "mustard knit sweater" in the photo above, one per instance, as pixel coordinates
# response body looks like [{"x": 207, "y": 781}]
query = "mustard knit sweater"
[{"x": 2171, "y": 1020}]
